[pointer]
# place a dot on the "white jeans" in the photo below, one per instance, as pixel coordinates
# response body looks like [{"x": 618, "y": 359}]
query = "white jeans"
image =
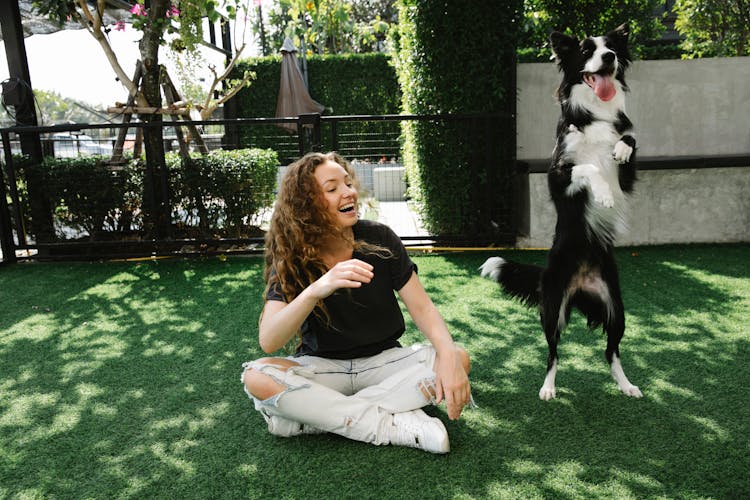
[{"x": 355, "y": 398}]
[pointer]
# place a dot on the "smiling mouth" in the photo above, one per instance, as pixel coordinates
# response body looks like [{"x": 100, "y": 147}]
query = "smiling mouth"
[{"x": 347, "y": 208}]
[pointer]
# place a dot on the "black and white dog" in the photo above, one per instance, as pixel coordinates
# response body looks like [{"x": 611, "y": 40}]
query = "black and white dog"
[{"x": 592, "y": 171}]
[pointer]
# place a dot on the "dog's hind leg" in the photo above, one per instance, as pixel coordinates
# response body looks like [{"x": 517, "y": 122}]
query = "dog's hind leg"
[
  {"x": 614, "y": 326},
  {"x": 553, "y": 318}
]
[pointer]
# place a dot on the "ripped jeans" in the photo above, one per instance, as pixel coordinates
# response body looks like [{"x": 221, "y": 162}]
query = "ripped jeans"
[{"x": 354, "y": 398}]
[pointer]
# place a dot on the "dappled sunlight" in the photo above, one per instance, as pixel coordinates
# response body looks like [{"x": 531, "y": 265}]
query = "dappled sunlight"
[
  {"x": 123, "y": 381},
  {"x": 662, "y": 391},
  {"x": 133, "y": 371}
]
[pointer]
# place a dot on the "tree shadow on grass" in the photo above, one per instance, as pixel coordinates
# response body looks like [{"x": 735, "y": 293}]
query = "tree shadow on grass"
[
  {"x": 128, "y": 386},
  {"x": 687, "y": 437},
  {"x": 124, "y": 382}
]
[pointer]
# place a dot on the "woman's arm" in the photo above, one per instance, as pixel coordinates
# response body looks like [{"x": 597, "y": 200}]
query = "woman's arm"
[
  {"x": 279, "y": 321},
  {"x": 452, "y": 381}
]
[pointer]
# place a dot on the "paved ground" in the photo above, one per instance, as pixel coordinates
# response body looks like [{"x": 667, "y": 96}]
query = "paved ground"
[{"x": 400, "y": 218}]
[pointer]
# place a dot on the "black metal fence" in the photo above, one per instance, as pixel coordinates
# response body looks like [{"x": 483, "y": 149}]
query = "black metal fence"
[{"x": 372, "y": 143}]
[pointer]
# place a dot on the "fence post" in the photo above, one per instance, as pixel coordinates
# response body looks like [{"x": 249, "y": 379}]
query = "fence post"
[
  {"x": 309, "y": 123},
  {"x": 6, "y": 230}
]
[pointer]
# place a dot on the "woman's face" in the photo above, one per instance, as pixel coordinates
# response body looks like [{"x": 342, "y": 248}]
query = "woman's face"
[{"x": 339, "y": 193}]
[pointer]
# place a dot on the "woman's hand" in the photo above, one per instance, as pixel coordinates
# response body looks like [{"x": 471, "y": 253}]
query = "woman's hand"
[
  {"x": 347, "y": 274},
  {"x": 452, "y": 383}
]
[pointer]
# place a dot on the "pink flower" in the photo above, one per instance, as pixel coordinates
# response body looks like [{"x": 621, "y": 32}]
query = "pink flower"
[
  {"x": 120, "y": 26},
  {"x": 173, "y": 11},
  {"x": 257, "y": 2},
  {"x": 138, "y": 10}
]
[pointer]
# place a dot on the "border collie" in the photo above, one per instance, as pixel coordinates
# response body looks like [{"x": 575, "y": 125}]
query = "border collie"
[{"x": 592, "y": 171}]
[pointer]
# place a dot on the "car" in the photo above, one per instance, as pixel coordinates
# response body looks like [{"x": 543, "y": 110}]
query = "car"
[{"x": 68, "y": 145}]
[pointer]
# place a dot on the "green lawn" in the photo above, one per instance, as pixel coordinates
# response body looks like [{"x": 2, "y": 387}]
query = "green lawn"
[{"x": 121, "y": 380}]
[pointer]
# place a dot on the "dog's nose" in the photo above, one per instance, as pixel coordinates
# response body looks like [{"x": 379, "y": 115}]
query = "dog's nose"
[{"x": 608, "y": 57}]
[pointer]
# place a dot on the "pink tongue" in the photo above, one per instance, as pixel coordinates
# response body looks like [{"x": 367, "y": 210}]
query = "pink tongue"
[{"x": 601, "y": 85}]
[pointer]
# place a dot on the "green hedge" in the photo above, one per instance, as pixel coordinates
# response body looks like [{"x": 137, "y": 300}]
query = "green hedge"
[
  {"x": 466, "y": 65},
  {"x": 349, "y": 84},
  {"x": 217, "y": 195},
  {"x": 223, "y": 189}
]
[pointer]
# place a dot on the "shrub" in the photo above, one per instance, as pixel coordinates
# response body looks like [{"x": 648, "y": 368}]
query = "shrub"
[
  {"x": 87, "y": 195},
  {"x": 222, "y": 190}
]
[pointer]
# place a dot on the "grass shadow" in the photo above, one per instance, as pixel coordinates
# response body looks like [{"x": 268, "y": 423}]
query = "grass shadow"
[{"x": 122, "y": 380}]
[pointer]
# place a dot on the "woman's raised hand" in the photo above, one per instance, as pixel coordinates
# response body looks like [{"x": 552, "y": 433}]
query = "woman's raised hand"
[{"x": 350, "y": 273}]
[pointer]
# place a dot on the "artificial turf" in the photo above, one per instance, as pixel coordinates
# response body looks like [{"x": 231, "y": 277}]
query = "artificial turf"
[{"x": 121, "y": 380}]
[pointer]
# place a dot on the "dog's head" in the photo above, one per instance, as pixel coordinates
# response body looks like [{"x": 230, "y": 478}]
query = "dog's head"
[{"x": 594, "y": 62}]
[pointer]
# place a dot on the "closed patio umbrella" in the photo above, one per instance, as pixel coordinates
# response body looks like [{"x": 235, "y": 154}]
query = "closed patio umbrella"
[{"x": 294, "y": 99}]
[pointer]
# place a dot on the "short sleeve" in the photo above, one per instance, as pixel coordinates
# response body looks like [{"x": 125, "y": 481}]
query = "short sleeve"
[
  {"x": 274, "y": 291},
  {"x": 402, "y": 266}
]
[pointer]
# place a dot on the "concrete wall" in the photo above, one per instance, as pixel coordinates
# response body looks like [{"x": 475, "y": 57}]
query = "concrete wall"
[
  {"x": 679, "y": 108},
  {"x": 708, "y": 205}
]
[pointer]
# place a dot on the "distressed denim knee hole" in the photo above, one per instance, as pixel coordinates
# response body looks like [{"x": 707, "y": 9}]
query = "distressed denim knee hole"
[{"x": 279, "y": 375}]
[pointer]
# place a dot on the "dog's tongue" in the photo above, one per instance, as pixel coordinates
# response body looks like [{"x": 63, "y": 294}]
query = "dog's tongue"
[{"x": 601, "y": 85}]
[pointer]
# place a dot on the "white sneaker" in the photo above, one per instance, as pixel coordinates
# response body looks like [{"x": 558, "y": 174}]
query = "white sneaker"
[
  {"x": 418, "y": 430},
  {"x": 279, "y": 426}
]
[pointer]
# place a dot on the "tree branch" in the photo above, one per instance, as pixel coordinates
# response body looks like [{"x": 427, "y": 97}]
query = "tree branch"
[{"x": 94, "y": 27}]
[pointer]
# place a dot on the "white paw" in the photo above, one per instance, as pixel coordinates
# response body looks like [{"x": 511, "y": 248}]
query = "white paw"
[
  {"x": 602, "y": 194},
  {"x": 492, "y": 268},
  {"x": 622, "y": 152},
  {"x": 632, "y": 391},
  {"x": 546, "y": 393}
]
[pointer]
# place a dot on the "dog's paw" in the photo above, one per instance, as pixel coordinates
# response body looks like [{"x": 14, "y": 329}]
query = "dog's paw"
[
  {"x": 602, "y": 193},
  {"x": 632, "y": 391},
  {"x": 547, "y": 393},
  {"x": 622, "y": 152}
]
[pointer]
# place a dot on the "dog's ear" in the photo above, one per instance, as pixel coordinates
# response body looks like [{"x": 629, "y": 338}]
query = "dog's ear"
[
  {"x": 622, "y": 32},
  {"x": 619, "y": 39},
  {"x": 562, "y": 45}
]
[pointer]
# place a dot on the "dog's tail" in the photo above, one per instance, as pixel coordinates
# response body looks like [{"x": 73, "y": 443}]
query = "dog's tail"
[{"x": 519, "y": 280}]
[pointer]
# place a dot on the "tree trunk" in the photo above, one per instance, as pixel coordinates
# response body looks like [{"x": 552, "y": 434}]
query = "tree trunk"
[{"x": 156, "y": 189}]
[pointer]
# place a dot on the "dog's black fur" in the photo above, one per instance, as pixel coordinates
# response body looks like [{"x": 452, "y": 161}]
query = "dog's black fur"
[{"x": 592, "y": 171}]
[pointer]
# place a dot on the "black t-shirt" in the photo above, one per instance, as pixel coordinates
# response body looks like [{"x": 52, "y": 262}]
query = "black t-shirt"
[{"x": 367, "y": 320}]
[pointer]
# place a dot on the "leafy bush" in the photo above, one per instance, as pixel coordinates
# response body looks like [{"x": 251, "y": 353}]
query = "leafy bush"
[
  {"x": 86, "y": 194},
  {"x": 581, "y": 18},
  {"x": 223, "y": 189},
  {"x": 220, "y": 192}
]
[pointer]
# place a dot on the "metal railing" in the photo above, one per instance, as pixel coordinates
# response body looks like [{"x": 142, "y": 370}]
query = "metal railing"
[{"x": 370, "y": 141}]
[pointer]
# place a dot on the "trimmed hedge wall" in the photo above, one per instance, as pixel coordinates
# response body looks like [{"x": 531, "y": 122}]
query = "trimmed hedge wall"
[
  {"x": 466, "y": 65},
  {"x": 349, "y": 84}
]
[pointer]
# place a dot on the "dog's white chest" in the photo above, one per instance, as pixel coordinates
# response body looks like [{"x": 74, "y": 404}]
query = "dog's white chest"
[{"x": 590, "y": 150}]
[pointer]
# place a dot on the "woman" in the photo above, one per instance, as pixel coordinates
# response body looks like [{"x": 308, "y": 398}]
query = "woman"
[{"x": 330, "y": 280}]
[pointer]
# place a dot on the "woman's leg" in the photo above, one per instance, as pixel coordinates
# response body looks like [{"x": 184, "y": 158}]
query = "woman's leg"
[
  {"x": 401, "y": 379},
  {"x": 283, "y": 388}
]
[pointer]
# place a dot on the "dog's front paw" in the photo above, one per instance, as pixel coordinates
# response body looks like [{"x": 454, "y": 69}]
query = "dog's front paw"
[
  {"x": 546, "y": 393},
  {"x": 602, "y": 194},
  {"x": 632, "y": 391},
  {"x": 622, "y": 152}
]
